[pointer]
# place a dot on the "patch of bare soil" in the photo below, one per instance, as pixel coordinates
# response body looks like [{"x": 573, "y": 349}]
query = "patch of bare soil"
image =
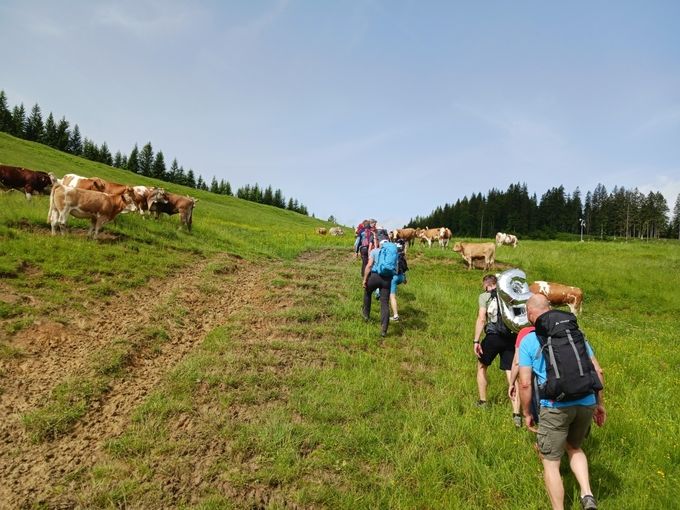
[{"x": 52, "y": 351}]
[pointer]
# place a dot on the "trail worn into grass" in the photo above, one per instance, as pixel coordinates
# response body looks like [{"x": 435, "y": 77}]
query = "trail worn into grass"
[{"x": 183, "y": 308}]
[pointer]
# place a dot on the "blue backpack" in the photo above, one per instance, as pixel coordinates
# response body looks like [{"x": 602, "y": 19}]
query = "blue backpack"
[{"x": 387, "y": 261}]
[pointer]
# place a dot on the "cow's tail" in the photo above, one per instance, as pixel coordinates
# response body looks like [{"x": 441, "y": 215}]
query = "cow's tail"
[{"x": 49, "y": 211}]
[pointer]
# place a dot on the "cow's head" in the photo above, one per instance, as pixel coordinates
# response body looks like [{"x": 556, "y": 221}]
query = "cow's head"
[
  {"x": 458, "y": 247},
  {"x": 98, "y": 184},
  {"x": 128, "y": 197}
]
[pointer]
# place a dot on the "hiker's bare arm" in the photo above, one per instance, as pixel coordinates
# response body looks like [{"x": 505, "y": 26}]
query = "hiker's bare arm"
[
  {"x": 600, "y": 414},
  {"x": 479, "y": 328},
  {"x": 525, "y": 396}
]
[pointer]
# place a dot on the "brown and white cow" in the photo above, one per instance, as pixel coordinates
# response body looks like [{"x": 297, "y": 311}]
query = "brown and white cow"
[
  {"x": 78, "y": 181},
  {"x": 444, "y": 237},
  {"x": 405, "y": 234},
  {"x": 321, "y": 231},
  {"x": 429, "y": 235},
  {"x": 336, "y": 231},
  {"x": 507, "y": 239},
  {"x": 471, "y": 251},
  {"x": 23, "y": 179},
  {"x": 145, "y": 197},
  {"x": 559, "y": 294},
  {"x": 96, "y": 206},
  {"x": 184, "y": 205}
]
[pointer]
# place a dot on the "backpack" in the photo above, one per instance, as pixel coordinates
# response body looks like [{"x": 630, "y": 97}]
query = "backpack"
[
  {"x": 402, "y": 266},
  {"x": 365, "y": 236},
  {"x": 570, "y": 372},
  {"x": 499, "y": 327},
  {"x": 387, "y": 261}
]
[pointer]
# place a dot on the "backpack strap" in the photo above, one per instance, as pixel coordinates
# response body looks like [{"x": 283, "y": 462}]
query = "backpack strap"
[
  {"x": 551, "y": 357},
  {"x": 578, "y": 358}
]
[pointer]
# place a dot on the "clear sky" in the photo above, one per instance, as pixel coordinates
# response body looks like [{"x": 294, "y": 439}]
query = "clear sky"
[{"x": 365, "y": 108}]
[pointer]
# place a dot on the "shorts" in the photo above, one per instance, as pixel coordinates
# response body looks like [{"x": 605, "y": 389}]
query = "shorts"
[
  {"x": 561, "y": 425},
  {"x": 396, "y": 280},
  {"x": 494, "y": 345}
]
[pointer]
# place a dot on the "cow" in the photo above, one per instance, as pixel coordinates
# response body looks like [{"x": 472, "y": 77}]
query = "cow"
[
  {"x": 145, "y": 197},
  {"x": 507, "y": 239},
  {"x": 23, "y": 179},
  {"x": 99, "y": 207},
  {"x": 321, "y": 231},
  {"x": 172, "y": 203},
  {"x": 405, "y": 234},
  {"x": 336, "y": 231},
  {"x": 559, "y": 294},
  {"x": 470, "y": 251},
  {"x": 444, "y": 236},
  {"x": 89, "y": 183},
  {"x": 428, "y": 235}
]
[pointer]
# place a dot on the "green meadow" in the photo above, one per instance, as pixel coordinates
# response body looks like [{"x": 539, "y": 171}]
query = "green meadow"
[{"x": 290, "y": 400}]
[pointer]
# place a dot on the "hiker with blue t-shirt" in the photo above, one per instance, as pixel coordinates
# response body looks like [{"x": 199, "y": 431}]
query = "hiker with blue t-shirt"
[
  {"x": 380, "y": 268},
  {"x": 564, "y": 419}
]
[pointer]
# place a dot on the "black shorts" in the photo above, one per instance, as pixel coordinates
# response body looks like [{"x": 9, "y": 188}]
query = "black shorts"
[{"x": 493, "y": 345}]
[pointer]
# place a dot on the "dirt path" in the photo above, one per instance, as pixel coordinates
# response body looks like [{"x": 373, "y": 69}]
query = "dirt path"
[{"x": 186, "y": 306}]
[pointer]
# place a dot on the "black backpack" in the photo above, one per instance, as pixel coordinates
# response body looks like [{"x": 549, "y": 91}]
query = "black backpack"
[{"x": 570, "y": 372}]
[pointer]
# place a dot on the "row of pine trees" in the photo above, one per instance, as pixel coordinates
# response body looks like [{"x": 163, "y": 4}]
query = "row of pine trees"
[
  {"x": 59, "y": 135},
  {"x": 620, "y": 213}
]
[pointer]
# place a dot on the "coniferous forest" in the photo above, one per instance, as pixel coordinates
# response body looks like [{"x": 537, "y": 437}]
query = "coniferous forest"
[
  {"x": 620, "y": 213},
  {"x": 58, "y": 134}
]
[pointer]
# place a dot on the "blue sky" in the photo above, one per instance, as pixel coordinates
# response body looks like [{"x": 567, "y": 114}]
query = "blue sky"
[{"x": 365, "y": 108}]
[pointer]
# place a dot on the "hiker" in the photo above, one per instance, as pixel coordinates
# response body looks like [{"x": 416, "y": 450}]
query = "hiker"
[
  {"x": 398, "y": 279},
  {"x": 380, "y": 268},
  {"x": 568, "y": 403},
  {"x": 366, "y": 241},
  {"x": 513, "y": 389},
  {"x": 498, "y": 341}
]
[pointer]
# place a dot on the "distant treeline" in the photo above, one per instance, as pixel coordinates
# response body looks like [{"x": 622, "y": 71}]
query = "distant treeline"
[
  {"x": 619, "y": 213},
  {"x": 59, "y": 135}
]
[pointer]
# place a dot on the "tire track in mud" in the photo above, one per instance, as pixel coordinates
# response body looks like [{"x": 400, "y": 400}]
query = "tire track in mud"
[{"x": 53, "y": 351}]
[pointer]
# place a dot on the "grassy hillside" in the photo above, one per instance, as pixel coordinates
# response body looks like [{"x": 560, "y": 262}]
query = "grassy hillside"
[{"x": 279, "y": 395}]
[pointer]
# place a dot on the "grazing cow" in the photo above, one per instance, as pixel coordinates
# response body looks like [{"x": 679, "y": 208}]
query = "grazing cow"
[
  {"x": 336, "y": 231},
  {"x": 321, "y": 231},
  {"x": 560, "y": 294},
  {"x": 145, "y": 197},
  {"x": 113, "y": 188},
  {"x": 444, "y": 236},
  {"x": 173, "y": 204},
  {"x": 405, "y": 234},
  {"x": 428, "y": 235},
  {"x": 30, "y": 181},
  {"x": 99, "y": 207},
  {"x": 507, "y": 239},
  {"x": 89, "y": 183},
  {"x": 470, "y": 251}
]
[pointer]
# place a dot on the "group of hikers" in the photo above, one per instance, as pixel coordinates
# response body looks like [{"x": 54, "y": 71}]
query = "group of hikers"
[
  {"x": 383, "y": 268},
  {"x": 555, "y": 383}
]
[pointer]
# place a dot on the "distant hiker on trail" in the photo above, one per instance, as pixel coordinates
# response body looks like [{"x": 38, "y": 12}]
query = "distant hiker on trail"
[
  {"x": 498, "y": 340},
  {"x": 569, "y": 402},
  {"x": 380, "y": 269},
  {"x": 366, "y": 241}
]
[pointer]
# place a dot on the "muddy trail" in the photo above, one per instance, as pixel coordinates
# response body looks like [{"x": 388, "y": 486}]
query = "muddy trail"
[{"x": 185, "y": 307}]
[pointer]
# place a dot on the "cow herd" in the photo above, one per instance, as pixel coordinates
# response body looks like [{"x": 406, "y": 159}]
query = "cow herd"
[{"x": 94, "y": 198}]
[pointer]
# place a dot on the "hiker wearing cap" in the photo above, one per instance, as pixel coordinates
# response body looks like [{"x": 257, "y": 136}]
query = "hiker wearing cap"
[{"x": 380, "y": 268}]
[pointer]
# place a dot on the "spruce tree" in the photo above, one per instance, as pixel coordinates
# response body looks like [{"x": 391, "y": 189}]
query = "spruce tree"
[
  {"x": 268, "y": 196},
  {"x": 50, "y": 134},
  {"x": 105, "y": 155},
  {"x": 191, "y": 179},
  {"x": 18, "y": 128},
  {"x": 214, "y": 186},
  {"x": 146, "y": 160},
  {"x": 133, "y": 160},
  {"x": 675, "y": 223},
  {"x": 158, "y": 169},
  {"x": 181, "y": 176},
  {"x": 75, "y": 144},
  {"x": 5, "y": 114},
  {"x": 34, "y": 125},
  {"x": 118, "y": 160},
  {"x": 279, "y": 201},
  {"x": 124, "y": 162},
  {"x": 173, "y": 174}
]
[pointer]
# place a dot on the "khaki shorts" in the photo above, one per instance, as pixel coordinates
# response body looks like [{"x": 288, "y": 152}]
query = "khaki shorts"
[{"x": 558, "y": 426}]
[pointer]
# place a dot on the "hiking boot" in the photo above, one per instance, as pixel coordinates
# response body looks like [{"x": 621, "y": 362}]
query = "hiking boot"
[
  {"x": 588, "y": 502},
  {"x": 377, "y": 296},
  {"x": 383, "y": 334},
  {"x": 481, "y": 403},
  {"x": 395, "y": 318},
  {"x": 517, "y": 420},
  {"x": 365, "y": 316}
]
